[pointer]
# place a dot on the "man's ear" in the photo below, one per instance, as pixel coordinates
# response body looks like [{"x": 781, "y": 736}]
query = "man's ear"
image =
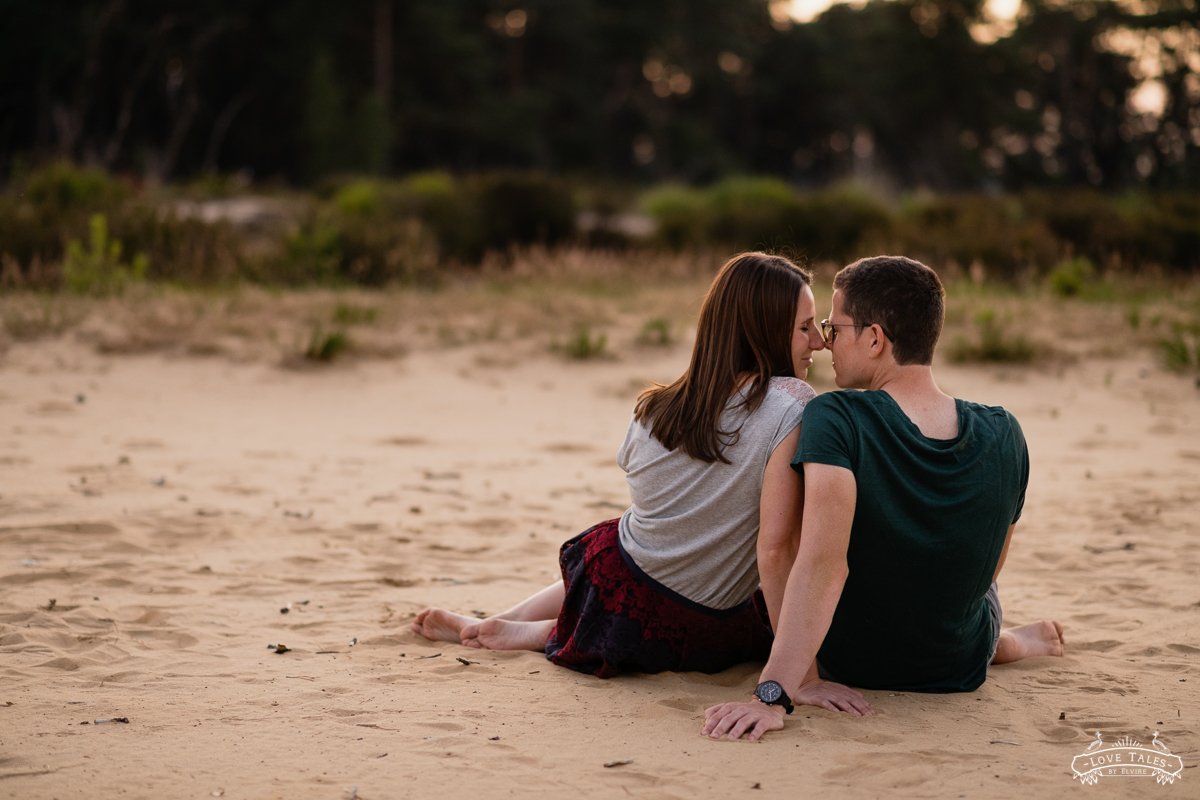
[{"x": 877, "y": 346}]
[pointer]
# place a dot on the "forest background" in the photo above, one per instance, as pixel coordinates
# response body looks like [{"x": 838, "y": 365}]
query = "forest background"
[{"x": 377, "y": 142}]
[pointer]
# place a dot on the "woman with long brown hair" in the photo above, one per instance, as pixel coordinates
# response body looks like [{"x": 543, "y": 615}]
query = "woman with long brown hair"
[{"x": 673, "y": 584}]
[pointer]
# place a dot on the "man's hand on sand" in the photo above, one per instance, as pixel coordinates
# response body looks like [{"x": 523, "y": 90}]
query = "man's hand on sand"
[
  {"x": 734, "y": 719},
  {"x": 833, "y": 697}
]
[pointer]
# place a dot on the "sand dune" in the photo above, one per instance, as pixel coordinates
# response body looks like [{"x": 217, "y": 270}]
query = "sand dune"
[{"x": 164, "y": 521}]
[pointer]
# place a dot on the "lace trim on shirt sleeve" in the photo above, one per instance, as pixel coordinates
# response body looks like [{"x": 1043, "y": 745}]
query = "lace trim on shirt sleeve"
[{"x": 795, "y": 388}]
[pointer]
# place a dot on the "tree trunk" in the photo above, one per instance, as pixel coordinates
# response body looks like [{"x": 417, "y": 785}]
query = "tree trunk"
[
  {"x": 383, "y": 52},
  {"x": 125, "y": 116},
  {"x": 221, "y": 127}
]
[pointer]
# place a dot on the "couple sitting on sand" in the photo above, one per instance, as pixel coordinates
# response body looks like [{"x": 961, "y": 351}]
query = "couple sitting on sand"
[{"x": 868, "y": 539}]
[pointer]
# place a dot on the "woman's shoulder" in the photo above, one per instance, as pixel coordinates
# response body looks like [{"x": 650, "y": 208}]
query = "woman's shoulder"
[{"x": 792, "y": 388}]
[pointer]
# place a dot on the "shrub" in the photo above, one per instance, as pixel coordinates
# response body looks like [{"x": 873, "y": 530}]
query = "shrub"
[
  {"x": 326, "y": 346},
  {"x": 359, "y": 197},
  {"x": 993, "y": 345},
  {"x": 63, "y": 187},
  {"x": 656, "y": 332},
  {"x": 963, "y": 228},
  {"x": 1181, "y": 350},
  {"x": 765, "y": 213},
  {"x": 184, "y": 250},
  {"x": 681, "y": 215},
  {"x": 752, "y": 213},
  {"x": 98, "y": 270},
  {"x": 840, "y": 224},
  {"x": 582, "y": 346},
  {"x": 522, "y": 208},
  {"x": 346, "y": 314},
  {"x": 1069, "y": 278},
  {"x": 444, "y": 207},
  {"x": 312, "y": 254}
]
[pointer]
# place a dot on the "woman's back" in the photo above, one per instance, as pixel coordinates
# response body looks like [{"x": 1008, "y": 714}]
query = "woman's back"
[{"x": 693, "y": 525}]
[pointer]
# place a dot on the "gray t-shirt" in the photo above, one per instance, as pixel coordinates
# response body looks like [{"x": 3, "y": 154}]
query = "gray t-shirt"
[{"x": 693, "y": 527}]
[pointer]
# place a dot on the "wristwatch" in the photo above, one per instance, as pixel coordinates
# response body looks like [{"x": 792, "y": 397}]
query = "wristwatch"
[{"x": 771, "y": 693}]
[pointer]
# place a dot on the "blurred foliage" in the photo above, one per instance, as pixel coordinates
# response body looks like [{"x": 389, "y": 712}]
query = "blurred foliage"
[
  {"x": 98, "y": 269},
  {"x": 346, "y": 314},
  {"x": 1181, "y": 350},
  {"x": 62, "y": 224},
  {"x": 908, "y": 93},
  {"x": 1070, "y": 277},
  {"x": 766, "y": 214},
  {"x": 324, "y": 346},
  {"x": 656, "y": 332},
  {"x": 993, "y": 345},
  {"x": 581, "y": 345}
]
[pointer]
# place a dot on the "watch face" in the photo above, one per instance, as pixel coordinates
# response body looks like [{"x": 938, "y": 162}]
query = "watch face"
[{"x": 769, "y": 691}]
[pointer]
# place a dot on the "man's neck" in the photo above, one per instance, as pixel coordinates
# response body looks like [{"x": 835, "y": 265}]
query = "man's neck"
[{"x": 912, "y": 387}]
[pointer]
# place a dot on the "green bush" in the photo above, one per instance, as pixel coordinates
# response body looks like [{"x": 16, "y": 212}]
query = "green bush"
[
  {"x": 583, "y": 346},
  {"x": 765, "y": 213},
  {"x": 313, "y": 254},
  {"x": 681, "y": 215},
  {"x": 334, "y": 248},
  {"x": 1181, "y": 350},
  {"x": 326, "y": 346},
  {"x": 752, "y": 213},
  {"x": 522, "y": 208},
  {"x": 444, "y": 207},
  {"x": 656, "y": 332},
  {"x": 98, "y": 269},
  {"x": 359, "y": 197},
  {"x": 346, "y": 314},
  {"x": 1071, "y": 277},
  {"x": 63, "y": 187},
  {"x": 996, "y": 231},
  {"x": 841, "y": 224},
  {"x": 182, "y": 250},
  {"x": 993, "y": 345}
]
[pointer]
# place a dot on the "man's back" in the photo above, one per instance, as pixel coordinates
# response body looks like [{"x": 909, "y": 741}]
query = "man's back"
[{"x": 930, "y": 522}]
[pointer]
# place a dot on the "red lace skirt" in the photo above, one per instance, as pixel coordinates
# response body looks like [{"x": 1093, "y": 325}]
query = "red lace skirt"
[{"x": 615, "y": 619}]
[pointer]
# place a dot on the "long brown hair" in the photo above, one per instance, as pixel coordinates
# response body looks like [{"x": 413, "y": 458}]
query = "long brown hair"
[{"x": 745, "y": 327}]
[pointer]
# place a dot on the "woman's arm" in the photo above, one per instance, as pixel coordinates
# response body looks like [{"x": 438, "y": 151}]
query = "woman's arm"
[{"x": 780, "y": 511}]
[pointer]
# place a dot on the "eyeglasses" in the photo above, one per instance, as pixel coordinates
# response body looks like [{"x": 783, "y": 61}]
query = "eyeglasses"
[{"x": 829, "y": 330}]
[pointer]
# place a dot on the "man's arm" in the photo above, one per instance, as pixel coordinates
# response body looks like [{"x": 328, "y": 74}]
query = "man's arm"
[
  {"x": 813, "y": 590},
  {"x": 779, "y": 523},
  {"x": 1004, "y": 552}
]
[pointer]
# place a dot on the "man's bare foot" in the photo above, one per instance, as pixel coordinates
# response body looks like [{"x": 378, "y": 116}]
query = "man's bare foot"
[
  {"x": 1043, "y": 638},
  {"x": 503, "y": 634},
  {"x": 441, "y": 625}
]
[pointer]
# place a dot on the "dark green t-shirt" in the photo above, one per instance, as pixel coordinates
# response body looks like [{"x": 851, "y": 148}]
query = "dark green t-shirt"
[{"x": 929, "y": 525}]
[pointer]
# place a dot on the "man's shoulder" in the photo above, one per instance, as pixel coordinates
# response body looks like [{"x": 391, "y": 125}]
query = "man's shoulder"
[
  {"x": 997, "y": 416},
  {"x": 994, "y": 424},
  {"x": 841, "y": 398}
]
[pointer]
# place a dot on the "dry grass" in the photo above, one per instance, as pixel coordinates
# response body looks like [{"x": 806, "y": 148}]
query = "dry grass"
[{"x": 536, "y": 298}]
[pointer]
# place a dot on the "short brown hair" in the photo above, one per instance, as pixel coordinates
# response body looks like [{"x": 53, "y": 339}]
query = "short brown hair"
[
  {"x": 745, "y": 326},
  {"x": 903, "y": 296}
]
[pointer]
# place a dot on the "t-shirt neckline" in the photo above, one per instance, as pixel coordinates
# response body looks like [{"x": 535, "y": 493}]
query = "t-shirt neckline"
[{"x": 958, "y": 412}]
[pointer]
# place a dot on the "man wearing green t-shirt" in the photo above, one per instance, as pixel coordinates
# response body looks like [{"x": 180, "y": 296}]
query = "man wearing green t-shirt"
[{"x": 911, "y": 500}]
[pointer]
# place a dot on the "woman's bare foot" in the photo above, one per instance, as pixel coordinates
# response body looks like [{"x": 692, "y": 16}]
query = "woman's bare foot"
[
  {"x": 503, "y": 634},
  {"x": 1043, "y": 638},
  {"x": 441, "y": 625}
]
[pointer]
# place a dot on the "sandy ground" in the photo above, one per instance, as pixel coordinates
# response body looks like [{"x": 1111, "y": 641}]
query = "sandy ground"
[{"x": 160, "y": 513}]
